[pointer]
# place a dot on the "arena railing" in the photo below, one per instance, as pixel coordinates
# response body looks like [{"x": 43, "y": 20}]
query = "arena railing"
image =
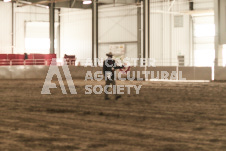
[
  {"x": 83, "y": 62},
  {"x": 11, "y": 62},
  {"x": 4, "y": 62},
  {"x": 157, "y": 62}
]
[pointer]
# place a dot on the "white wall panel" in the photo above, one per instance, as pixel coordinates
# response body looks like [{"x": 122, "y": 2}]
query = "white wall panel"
[
  {"x": 118, "y": 24},
  {"x": 203, "y": 19},
  {"x": 167, "y": 50},
  {"x": 204, "y": 32},
  {"x": 5, "y": 27},
  {"x": 167, "y": 41},
  {"x": 76, "y": 33},
  {"x": 23, "y": 15},
  {"x": 156, "y": 37},
  {"x": 181, "y": 40},
  {"x": 203, "y": 4},
  {"x": 203, "y": 40}
]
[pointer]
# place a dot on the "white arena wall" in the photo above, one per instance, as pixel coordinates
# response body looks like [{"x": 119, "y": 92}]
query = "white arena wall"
[
  {"x": 5, "y": 28},
  {"x": 21, "y": 16},
  {"x": 79, "y": 72},
  {"x": 76, "y": 33},
  {"x": 117, "y": 25},
  {"x": 167, "y": 41}
]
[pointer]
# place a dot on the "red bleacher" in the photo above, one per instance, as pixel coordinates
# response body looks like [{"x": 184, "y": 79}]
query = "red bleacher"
[{"x": 33, "y": 59}]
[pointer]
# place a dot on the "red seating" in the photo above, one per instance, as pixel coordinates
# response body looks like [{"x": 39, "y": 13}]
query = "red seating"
[
  {"x": 70, "y": 59},
  {"x": 33, "y": 59},
  {"x": 4, "y": 61},
  {"x": 3, "y": 56}
]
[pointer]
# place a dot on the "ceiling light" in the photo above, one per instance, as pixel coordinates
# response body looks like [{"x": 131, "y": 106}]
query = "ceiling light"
[
  {"x": 87, "y": 2},
  {"x": 7, "y": 1}
]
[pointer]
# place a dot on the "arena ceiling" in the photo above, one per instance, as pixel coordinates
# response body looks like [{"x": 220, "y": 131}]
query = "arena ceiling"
[
  {"x": 71, "y": 3},
  {"x": 79, "y": 4}
]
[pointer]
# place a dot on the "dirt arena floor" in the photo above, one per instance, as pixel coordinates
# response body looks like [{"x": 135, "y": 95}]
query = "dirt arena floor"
[{"x": 165, "y": 116}]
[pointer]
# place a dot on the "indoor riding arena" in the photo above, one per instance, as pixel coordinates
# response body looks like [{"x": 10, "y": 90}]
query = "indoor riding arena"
[{"x": 113, "y": 75}]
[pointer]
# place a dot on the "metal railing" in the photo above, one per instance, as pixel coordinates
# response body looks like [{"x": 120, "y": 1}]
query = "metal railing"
[
  {"x": 83, "y": 62},
  {"x": 154, "y": 62},
  {"x": 11, "y": 62}
]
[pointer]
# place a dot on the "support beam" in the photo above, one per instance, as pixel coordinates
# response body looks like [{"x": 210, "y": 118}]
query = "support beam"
[
  {"x": 58, "y": 34},
  {"x": 94, "y": 31},
  {"x": 146, "y": 24},
  {"x": 171, "y": 5},
  {"x": 216, "y": 20},
  {"x": 73, "y": 3},
  {"x": 144, "y": 31},
  {"x": 139, "y": 32},
  {"x": 217, "y": 35},
  {"x": 12, "y": 27},
  {"x": 148, "y": 29},
  {"x": 170, "y": 44},
  {"x": 51, "y": 26},
  {"x": 191, "y": 39}
]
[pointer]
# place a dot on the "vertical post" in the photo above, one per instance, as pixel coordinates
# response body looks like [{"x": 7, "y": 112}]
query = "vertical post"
[
  {"x": 139, "y": 33},
  {"x": 190, "y": 40},
  {"x": 94, "y": 31},
  {"x": 193, "y": 43},
  {"x": 191, "y": 35},
  {"x": 12, "y": 27},
  {"x": 146, "y": 20},
  {"x": 216, "y": 20},
  {"x": 51, "y": 26},
  {"x": 148, "y": 28},
  {"x": 144, "y": 28},
  {"x": 162, "y": 36},
  {"x": 58, "y": 34},
  {"x": 97, "y": 52},
  {"x": 170, "y": 36}
]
